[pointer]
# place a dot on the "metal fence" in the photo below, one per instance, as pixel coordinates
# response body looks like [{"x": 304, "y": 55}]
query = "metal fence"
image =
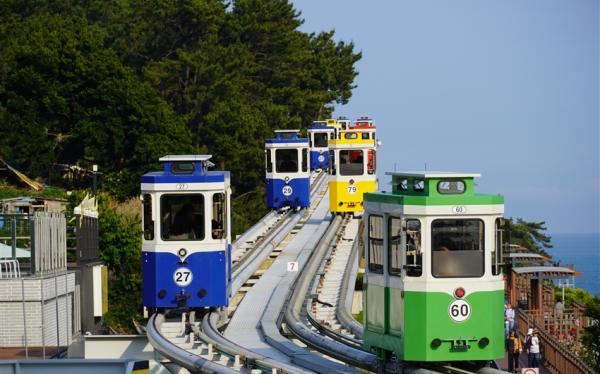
[{"x": 557, "y": 357}]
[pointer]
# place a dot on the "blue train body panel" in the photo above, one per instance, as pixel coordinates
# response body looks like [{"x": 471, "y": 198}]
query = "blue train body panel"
[
  {"x": 298, "y": 197},
  {"x": 319, "y": 160},
  {"x": 209, "y": 280}
]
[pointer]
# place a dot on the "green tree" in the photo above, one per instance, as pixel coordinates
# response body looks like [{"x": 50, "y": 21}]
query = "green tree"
[
  {"x": 67, "y": 98},
  {"x": 591, "y": 337},
  {"x": 120, "y": 243},
  {"x": 527, "y": 234}
]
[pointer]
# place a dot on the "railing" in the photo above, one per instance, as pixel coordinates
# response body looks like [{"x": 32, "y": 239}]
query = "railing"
[
  {"x": 9, "y": 269},
  {"x": 49, "y": 242},
  {"x": 558, "y": 358}
]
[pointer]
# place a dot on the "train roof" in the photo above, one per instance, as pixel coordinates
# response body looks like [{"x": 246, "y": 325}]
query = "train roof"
[
  {"x": 434, "y": 188},
  {"x": 433, "y": 174},
  {"x": 186, "y": 169},
  {"x": 184, "y": 158},
  {"x": 320, "y": 125},
  {"x": 286, "y": 136}
]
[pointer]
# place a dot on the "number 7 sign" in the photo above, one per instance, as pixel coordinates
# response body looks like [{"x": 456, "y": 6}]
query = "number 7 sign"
[{"x": 292, "y": 266}]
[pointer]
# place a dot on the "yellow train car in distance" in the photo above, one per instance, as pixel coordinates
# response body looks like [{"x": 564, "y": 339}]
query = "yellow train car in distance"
[{"x": 352, "y": 168}]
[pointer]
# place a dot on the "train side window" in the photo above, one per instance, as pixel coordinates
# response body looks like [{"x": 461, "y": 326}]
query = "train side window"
[
  {"x": 351, "y": 162},
  {"x": 414, "y": 255},
  {"x": 304, "y": 159},
  {"x": 376, "y": 244},
  {"x": 182, "y": 217},
  {"x": 394, "y": 246},
  {"x": 147, "y": 217},
  {"x": 402, "y": 185},
  {"x": 219, "y": 216},
  {"x": 457, "y": 248},
  {"x": 365, "y": 135},
  {"x": 286, "y": 160},
  {"x": 419, "y": 185},
  {"x": 320, "y": 139},
  {"x": 332, "y": 165},
  {"x": 497, "y": 252},
  {"x": 350, "y": 135},
  {"x": 269, "y": 161},
  {"x": 371, "y": 162}
]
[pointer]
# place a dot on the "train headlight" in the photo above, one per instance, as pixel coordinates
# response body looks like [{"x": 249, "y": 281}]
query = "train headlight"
[
  {"x": 182, "y": 252},
  {"x": 484, "y": 342},
  {"x": 286, "y": 179},
  {"x": 436, "y": 343},
  {"x": 351, "y": 181},
  {"x": 459, "y": 292}
]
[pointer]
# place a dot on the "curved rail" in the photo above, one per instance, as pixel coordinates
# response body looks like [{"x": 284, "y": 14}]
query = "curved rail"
[
  {"x": 210, "y": 334},
  {"x": 179, "y": 355},
  {"x": 323, "y": 344},
  {"x": 342, "y": 313}
]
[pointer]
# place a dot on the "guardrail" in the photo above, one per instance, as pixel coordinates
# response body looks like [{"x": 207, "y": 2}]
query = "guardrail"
[{"x": 557, "y": 358}]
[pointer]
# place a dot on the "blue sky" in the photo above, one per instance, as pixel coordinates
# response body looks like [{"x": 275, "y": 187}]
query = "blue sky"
[{"x": 507, "y": 88}]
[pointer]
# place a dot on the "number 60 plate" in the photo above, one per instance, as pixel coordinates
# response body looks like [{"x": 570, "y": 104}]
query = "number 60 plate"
[{"x": 459, "y": 310}]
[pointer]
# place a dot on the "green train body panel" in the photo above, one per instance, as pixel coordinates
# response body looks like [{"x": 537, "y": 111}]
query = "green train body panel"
[{"x": 412, "y": 322}]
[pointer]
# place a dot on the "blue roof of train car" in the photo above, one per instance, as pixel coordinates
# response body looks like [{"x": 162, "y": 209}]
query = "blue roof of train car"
[
  {"x": 161, "y": 177},
  {"x": 199, "y": 175},
  {"x": 293, "y": 137}
]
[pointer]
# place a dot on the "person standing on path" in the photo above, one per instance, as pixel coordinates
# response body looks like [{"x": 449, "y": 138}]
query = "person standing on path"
[{"x": 513, "y": 345}]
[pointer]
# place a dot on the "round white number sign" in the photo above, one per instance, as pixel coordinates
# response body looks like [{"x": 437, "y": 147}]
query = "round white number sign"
[
  {"x": 287, "y": 190},
  {"x": 352, "y": 190},
  {"x": 459, "y": 310},
  {"x": 321, "y": 158},
  {"x": 183, "y": 277}
]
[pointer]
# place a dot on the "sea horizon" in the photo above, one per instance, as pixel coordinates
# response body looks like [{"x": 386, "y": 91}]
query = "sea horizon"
[{"x": 583, "y": 251}]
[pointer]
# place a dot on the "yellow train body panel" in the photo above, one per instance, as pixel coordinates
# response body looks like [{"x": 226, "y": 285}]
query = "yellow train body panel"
[{"x": 346, "y": 197}]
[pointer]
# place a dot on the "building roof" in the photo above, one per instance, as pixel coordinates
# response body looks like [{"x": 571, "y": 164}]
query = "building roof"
[{"x": 547, "y": 271}]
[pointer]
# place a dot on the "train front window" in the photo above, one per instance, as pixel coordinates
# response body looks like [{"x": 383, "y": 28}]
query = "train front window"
[
  {"x": 286, "y": 160},
  {"x": 148, "y": 222},
  {"x": 320, "y": 140},
  {"x": 182, "y": 217},
  {"x": 351, "y": 162},
  {"x": 457, "y": 248},
  {"x": 219, "y": 216},
  {"x": 376, "y": 244}
]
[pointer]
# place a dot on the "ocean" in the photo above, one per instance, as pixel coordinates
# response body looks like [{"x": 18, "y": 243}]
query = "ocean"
[{"x": 583, "y": 251}]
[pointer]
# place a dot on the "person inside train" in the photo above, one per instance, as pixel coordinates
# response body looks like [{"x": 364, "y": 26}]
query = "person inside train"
[{"x": 184, "y": 224}]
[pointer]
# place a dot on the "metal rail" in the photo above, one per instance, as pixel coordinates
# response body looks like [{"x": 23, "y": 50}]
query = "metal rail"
[
  {"x": 210, "y": 334},
  {"x": 179, "y": 355},
  {"x": 293, "y": 311},
  {"x": 342, "y": 313}
]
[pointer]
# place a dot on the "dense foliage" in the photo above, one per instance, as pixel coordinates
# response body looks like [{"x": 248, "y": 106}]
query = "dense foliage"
[
  {"x": 120, "y": 243},
  {"x": 120, "y": 83}
]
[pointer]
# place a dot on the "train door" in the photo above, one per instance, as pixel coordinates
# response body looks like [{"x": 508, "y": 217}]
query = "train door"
[
  {"x": 404, "y": 259},
  {"x": 375, "y": 293}
]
